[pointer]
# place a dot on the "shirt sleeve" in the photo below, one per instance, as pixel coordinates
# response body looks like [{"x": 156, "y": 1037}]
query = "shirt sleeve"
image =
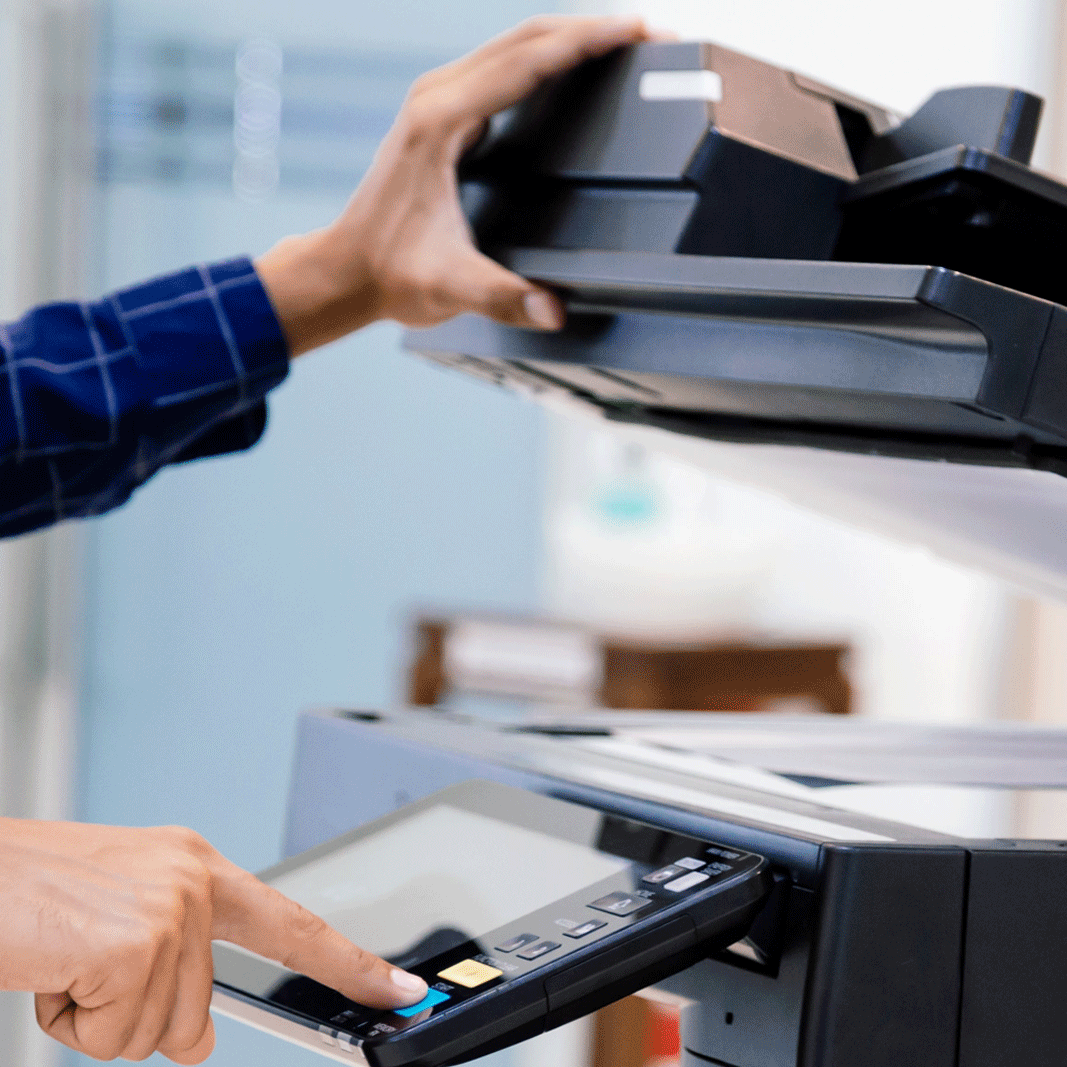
[{"x": 95, "y": 398}]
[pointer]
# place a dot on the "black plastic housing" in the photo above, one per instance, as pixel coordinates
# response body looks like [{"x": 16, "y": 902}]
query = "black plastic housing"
[
  {"x": 674, "y": 926},
  {"x": 781, "y": 264}
]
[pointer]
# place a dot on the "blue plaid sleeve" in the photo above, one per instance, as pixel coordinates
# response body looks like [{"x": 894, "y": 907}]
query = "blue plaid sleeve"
[{"x": 95, "y": 398}]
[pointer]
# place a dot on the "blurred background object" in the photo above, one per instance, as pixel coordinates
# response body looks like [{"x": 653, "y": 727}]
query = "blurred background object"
[
  {"x": 153, "y": 662},
  {"x": 542, "y": 662}
]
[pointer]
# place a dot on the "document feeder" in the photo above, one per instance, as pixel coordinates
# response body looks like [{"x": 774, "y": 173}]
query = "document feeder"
[{"x": 750, "y": 256}]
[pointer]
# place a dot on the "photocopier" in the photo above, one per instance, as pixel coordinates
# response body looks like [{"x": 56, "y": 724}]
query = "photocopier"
[
  {"x": 864, "y": 311},
  {"x": 936, "y": 942},
  {"x": 867, "y": 311}
]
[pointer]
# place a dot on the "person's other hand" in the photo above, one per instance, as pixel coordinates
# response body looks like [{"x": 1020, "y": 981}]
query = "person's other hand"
[
  {"x": 112, "y": 928},
  {"x": 403, "y": 250}
]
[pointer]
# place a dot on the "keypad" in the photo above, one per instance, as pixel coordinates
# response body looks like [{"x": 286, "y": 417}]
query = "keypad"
[
  {"x": 687, "y": 881},
  {"x": 535, "y": 952},
  {"x": 621, "y": 903},
  {"x": 521, "y": 941},
  {"x": 470, "y": 973},
  {"x": 585, "y": 928}
]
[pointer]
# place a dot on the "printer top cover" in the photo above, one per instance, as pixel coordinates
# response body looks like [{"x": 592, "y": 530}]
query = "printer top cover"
[{"x": 750, "y": 258}]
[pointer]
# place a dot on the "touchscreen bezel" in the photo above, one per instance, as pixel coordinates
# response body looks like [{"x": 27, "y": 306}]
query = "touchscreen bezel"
[{"x": 349, "y": 1029}]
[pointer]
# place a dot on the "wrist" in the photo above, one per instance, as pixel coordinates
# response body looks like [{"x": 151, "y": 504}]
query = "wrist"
[{"x": 321, "y": 289}]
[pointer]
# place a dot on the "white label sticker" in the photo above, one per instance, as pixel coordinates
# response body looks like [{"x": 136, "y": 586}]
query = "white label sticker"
[{"x": 681, "y": 85}]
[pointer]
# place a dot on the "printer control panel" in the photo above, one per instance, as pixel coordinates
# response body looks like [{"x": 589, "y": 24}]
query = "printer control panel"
[{"x": 552, "y": 934}]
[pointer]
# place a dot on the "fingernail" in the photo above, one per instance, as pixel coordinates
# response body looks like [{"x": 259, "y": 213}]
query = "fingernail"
[
  {"x": 409, "y": 983},
  {"x": 542, "y": 311}
]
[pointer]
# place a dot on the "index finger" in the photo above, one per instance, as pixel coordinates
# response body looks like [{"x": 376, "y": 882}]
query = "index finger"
[
  {"x": 538, "y": 26},
  {"x": 494, "y": 79},
  {"x": 251, "y": 914}
]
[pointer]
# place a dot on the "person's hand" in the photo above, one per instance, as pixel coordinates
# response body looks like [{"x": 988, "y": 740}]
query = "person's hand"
[
  {"x": 112, "y": 929},
  {"x": 403, "y": 250}
]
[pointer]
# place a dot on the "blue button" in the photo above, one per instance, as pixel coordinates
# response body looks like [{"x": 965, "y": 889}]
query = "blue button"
[{"x": 435, "y": 996}]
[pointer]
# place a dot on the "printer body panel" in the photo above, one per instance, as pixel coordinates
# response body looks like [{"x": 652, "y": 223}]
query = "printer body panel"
[
  {"x": 351, "y": 767},
  {"x": 888, "y": 935},
  {"x": 887, "y": 944},
  {"x": 1015, "y": 964},
  {"x": 744, "y": 1015}
]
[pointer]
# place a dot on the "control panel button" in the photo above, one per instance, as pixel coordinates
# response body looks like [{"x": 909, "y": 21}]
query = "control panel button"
[
  {"x": 664, "y": 874},
  {"x": 585, "y": 928},
  {"x": 535, "y": 952},
  {"x": 689, "y": 863},
  {"x": 470, "y": 973},
  {"x": 687, "y": 881},
  {"x": 433, "y": 998},
  {"x": 621, "y": 903},
  {"x": 517, "y": 942}
]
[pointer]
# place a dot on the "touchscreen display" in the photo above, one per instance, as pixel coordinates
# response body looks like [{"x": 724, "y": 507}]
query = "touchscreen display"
[{"x": 407, "y": 893}]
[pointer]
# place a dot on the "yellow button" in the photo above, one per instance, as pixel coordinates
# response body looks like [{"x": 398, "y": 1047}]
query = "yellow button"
[{"x": 469, "y": 973}]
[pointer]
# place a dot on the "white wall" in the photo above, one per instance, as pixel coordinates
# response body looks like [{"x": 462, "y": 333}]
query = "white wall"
[{"x": 893, "y": 53}]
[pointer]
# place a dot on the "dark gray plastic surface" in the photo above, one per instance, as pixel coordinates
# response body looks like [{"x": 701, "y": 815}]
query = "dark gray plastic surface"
[{"x": 896, "y": 360}]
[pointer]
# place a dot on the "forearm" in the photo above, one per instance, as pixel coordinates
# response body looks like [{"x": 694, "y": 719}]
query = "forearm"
[
  {"x": 97, "y": 397},
  {"x": 320, "y": 286}
]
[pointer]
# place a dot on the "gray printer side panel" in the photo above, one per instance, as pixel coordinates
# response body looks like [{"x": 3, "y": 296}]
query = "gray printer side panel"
[{"x": 1015, "y": 967}]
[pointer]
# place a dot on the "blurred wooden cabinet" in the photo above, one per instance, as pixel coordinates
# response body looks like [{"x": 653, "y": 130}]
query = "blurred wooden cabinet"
[{"x": 560, "y": 664}]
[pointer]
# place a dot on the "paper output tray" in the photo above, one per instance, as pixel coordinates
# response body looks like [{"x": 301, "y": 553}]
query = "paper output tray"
[{"x": 908, "y": 361}]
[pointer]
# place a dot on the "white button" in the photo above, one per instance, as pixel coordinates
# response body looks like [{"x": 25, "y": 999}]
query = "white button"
[
  {"x": 680, "y": 85},
  {"x": 689, "y": 863},
  {"x": 687, "y": 881}
]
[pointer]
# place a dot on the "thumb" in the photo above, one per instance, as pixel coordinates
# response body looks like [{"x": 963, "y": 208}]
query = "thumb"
[
  {"x": 199, "y": 1052},
  {"x": 486, "y": 288},
  {"x": 257, "y": 917}
]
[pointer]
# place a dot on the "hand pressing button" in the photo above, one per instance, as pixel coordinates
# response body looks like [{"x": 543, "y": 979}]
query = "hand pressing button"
[{"x": 432, "y": 998}]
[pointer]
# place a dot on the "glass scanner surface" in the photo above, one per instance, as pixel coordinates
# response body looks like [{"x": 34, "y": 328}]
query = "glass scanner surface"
[{"x": 408, "y": 885}]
